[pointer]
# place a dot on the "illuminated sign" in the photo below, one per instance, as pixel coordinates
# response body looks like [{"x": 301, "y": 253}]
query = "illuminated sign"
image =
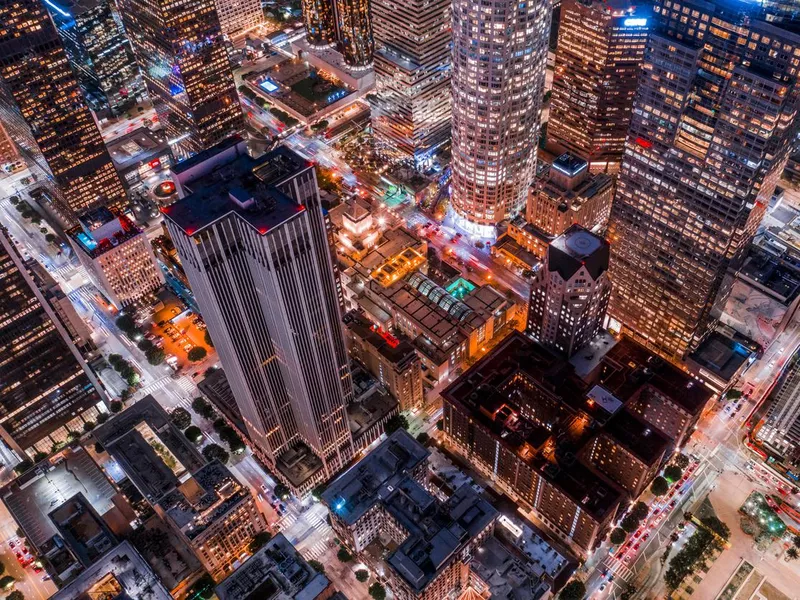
[
  {"x": 515, "y": 530},
  {"x": 635, "y": 22}
]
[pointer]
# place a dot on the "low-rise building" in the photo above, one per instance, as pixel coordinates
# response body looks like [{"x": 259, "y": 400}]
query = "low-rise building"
[
  {"x": 117, "y": 256},
  {"x": 393, "y": 361},
  {"x": 430, "y": 542},
  {"x": 277, "y": 571},
  {"x": 721, "y": 359},
  {"x": 120, "y": 573},
  {"x": 138, "y": 155}
]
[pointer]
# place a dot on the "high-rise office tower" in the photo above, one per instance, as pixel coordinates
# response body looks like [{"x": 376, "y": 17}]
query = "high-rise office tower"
[
  {"x": 600, "y": 51},
  {"x": 184, "y": 59},
  {"x": 499, "y": 56},
  {"x": 319, "y": 17},
  {"x": 355, "y": 32},
  {"x": 711, "y": 131},
  {"x": 43, "y": 110},
  {"x": 236, "y": 17},
  {"x": 411, "y": 111},
  {"x": 45, "y": 386},
  {"x": 99, "y": 53},
  {"x": 252, "y": 239},
  {"x": 781, "y": 427},
  {"x": 570, "y": 292}
]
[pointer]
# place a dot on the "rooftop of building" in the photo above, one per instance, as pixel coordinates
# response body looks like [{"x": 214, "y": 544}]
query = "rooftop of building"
[
  {"x": 396, "y": 350},
  {"x": 436, "y": 531},
  {"x": 508, "y": 244},
  {"x": 101, "y": 230},
  {"x": 578, "y": 247},
  {"x": 722, "y": 355},
  {"x": 299, "y": 464},
  {"x": 208, "y": 495},
  {"x": 628, "y": 367},
  {"x": 135, "y": 147},
  {"x": 228, "y": 181},
  {"x": 643, "y": 441},
  {"x": 276, "y": 572},
  {"x": 369, "y": 410},
  {"x": 121, "y": 573},
  {"x": 82, "y": 529},
  {"x": 357, "y": 489},
  {"x": 779, "y": 274},
  {"x": 569, "y": 164},
  {"x": 32, "y": 497},
  {"x": 506, "y": 575},
  {"x": 142, "y": 440}
]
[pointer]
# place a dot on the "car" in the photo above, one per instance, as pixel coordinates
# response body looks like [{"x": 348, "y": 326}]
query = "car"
[
  {"x": 636, "y": 547},
  {"x": 656, "y": 511},
  {"x": 611, "y": 577},
  {"x": 37, "y": 569},
  {"x": 645, "y": 536},
  {"x": 12, "y": 543},
  {"x": 264, "y": 487},
  {"x": 46, "y": 578},
  {"x": 637, "y": 534},
  {"x": 673, "y": 503},
  {"x": 602, "y": 587},
  {"x": 283, "y": 506}
]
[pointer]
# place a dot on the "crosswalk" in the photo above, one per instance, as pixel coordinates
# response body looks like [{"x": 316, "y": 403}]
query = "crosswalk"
[
  {"x": 619, "y": 569},
  {"x": 154, "y": 386},
  {"x": 315, "y": 551}
]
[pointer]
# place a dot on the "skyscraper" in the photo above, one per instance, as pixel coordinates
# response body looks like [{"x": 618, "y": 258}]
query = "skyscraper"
[
  {"x": 710, "y": 134},
  {"x": 600, "y": 51},
  {"x": 411, "y": 111},
  {"x": 569, "y": 293},
  {"x": 99, "y": 53},
  {"x": 44, "y": 112},
  {"x": 238, "y": 16},
  {"x": 499, "y": 56},
  {"x": 184, "y": 59},
  {"x": 781, "y": 428},
  {"x": 355, "y": 32},
  {"x": 45, "y": 386},
  {"x": 252, "y": 239},
  {"x": 319, "y": 17}
]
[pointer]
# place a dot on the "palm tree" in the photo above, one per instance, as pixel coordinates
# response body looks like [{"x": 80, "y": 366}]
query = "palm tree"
[{"x": 792, "y": 554}]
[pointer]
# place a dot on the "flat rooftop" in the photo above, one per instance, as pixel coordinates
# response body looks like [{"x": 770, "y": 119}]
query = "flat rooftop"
[
  {"x": 575, "y": 248},
  {"x": 276, "y": 571},
  {"x": 722, "y": 356},
  {"x": 369, "y": 410},
  {"x": 122, "y": 570},
  {"x": 132, "y": 148},
  {"x": 355, "y": 491},
  {"x": 628, "y": 366},
  {"x": 779, "y": 276},
  {"x": 31, "y": 498},
  {"x": 437, "y": 531},
  {"x": 644, "y": 441},
  {"x": 396, "y": 351}
]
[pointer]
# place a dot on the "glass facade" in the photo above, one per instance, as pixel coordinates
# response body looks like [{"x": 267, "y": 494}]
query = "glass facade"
[
  {"x": 600, "y": 51},
  {"x": 43, "y": 384},
  {"x": 499, "y": 56},
  {"x": 43, "y": 109},
  {"x": 184, "y": 60},
  {"x": 712, "y": 125},
  {"x": 99, "y": 54},
  {"x": 411, "y": 110}
]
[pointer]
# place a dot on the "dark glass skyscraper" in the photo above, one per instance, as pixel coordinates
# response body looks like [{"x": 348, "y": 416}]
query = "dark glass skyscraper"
[
  {"x": 713, "y": 121},
  {"x": 45, "y": 114},
  {"x": 345, "y": 24},
  {"x": 99, "y": 54},
  {"x": 185, "y": 64},
  {"x": 44, "y": 383}
]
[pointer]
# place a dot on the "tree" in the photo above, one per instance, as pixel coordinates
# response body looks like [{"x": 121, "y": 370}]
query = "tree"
[
  {"x": 203, "y": 408},
  {"x": 115, "y": 359},
  {"x": 193, "y": 434},
  {"x": 102, "y": 417},
  {"x": 202, "y": 588},
  {"x": 6, "y": 582},
  {"x": 207, "y": 339},
  {"x": 630, "y": 523},
  {"x": 214, "y": 452},
  {"x": 126, "y": 323},
  {"x": 319, "y": 125},
  {"x": 733, "y": 394},
  {"x": 618, "y": 536},
  {"x": 16, "y": 595},
  {"x": 282, "y": 491},
  {"x": 362, "y": 575},
  {"x": 39, "y": 457},
  {"x": 144, "y": 345},
  {"x": 660, "y": 486},
  {"x": 792, "y": 554},
  {"x": 640, "y": 510},
  {"x": 574, "y": 590},
  {"x": 116, "y": 406},
  {"x": 197, "y": 354},
  {"x": 344, "y": 556},
  {"x": 673, "y": 473},
  {"x": 317, "y": 566},
  {"x": 88, "y": 426},
  {"x": 796, "y": 541},
  {"x": 155, "y": 356},
  {"x": 717, "y": 526},
  {"x": 440, "y": 424},
  {"x": 423, "y": 438},
  {"x": 132, "y": 378},
  {"x": 181, "y": 418},
  {"x": 22, "y": 466},
  {"x": 98, "y": 447},
  {"x": 259, "y": 541},
  {"x": 395, "y": 423},
  {"x": 681, "y": 460},
  {"x": 377, "y": 591},
  {"x": 50, "y": 238}
]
